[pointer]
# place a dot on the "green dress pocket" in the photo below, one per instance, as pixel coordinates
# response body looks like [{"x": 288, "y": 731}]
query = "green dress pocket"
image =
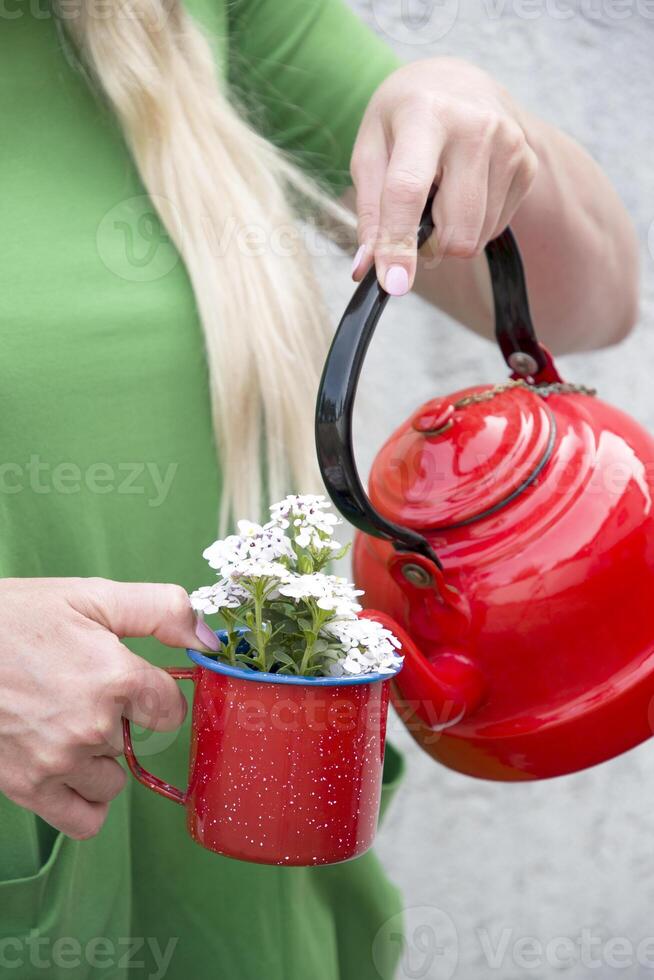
[
  {"x": 66, "y": 918},
  {"x": 22, "y": 900}
]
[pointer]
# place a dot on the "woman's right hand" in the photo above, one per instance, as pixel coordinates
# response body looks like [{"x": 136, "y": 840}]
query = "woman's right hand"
[{"x": 66, "y": 680}]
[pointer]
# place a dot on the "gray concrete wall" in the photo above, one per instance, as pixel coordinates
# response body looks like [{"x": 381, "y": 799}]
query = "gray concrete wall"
[{"x": 481, "y": 864}]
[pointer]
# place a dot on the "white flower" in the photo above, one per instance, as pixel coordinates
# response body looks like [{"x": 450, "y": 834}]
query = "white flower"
[
  {"x": 340, "y": 597},
  {"x": 303, "y": 586},
  {"x": 309, "y": 537},
  {"x": 331, "y": 592},
  {"x": 365, "y": 633},
  {"x": 257, "y": 568},
  {"x": 267, "y": 544},
  {"x": 368, "y": 646},
  {"x": 272, "y": 544},
  {"x": 225, "y": 552},
  {"x": 299, "y": 503},
  {"x": 306, "y": 514},
  {"x": 247, "y": 529},
  {"x": 221, "y": 595}
]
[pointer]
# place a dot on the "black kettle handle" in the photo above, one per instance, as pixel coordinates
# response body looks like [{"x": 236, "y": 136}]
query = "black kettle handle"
[{"x": 515, "y": 335}]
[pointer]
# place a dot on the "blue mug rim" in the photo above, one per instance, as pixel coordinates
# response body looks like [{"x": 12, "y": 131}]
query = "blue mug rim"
[{"x": 266, "y": 677}]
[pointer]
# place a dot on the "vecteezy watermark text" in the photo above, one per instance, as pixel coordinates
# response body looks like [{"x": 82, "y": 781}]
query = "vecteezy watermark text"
[
  {"x": 588, "y": 949},
  {"x": 40, "y": 476},
  {"x": 424, "y": 22},
  {"x": 143, "y": 953},
  {"x": 429, "y": 945}
]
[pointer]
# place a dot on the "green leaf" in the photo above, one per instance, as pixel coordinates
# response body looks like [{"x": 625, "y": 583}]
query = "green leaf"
[
  {"x": 284, "y": 658},
  {"x": 289, "y": 666}
]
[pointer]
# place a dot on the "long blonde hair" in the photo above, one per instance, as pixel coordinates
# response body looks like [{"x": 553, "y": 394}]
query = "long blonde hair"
[{"x": 205, "y": 168}]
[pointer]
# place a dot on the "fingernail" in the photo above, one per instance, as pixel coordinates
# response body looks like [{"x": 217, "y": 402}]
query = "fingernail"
[
  {"x": 396, "y": 281},
  {"x": 206, "y": 635},
  {"x": 358, "y": 258}
]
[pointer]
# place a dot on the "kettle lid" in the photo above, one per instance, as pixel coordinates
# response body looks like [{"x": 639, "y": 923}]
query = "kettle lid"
[{"x": 461, "y": 457}]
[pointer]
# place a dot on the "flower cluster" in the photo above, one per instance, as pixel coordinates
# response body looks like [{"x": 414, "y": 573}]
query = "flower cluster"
[
  {"x": 297, "y": 618},
  {"x": 367, "y": 646},
  {"x": 310, "y": 518}
]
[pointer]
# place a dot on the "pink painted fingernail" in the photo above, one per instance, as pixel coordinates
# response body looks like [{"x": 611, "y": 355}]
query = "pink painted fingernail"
[
  {"x": 356, "y": 261},
  {"x": 396, "y": 282},
  {"x": 206, "y": 635}
]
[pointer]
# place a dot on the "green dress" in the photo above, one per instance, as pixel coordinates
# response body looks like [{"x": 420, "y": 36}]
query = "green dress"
[{"x": 107, "y": 467}]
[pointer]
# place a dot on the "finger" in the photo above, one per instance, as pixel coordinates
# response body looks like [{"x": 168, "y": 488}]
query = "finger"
[
  {"x": 500, "y": 180},
  {"x": 99, "y": 781},
  {"x": 148, "y": 696},
  {"x": 521, "y": 184},
  {"x": 368, "y": 166},
  {"x": 146, "y": 609},
  {"x": 459, "y": 208},
  {"x": 68, "y": 812},
  {"x": 412, "y": 170}
]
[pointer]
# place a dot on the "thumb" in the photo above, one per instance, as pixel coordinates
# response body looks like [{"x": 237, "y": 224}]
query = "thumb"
[{"x": 145, "y": 609}]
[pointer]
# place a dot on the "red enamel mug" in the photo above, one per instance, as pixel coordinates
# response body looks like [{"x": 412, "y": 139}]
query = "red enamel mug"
[{"x": 283, "y": 769}]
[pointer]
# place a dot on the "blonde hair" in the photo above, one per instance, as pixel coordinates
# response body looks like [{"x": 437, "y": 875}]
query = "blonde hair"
[{"x": 205, "y": 169}]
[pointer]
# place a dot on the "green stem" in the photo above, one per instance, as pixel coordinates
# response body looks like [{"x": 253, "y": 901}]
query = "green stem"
[
  {"x": 318, "y": 617},
  {"x": 307, "y": 655},
  {"x": 230, "y": 646},
  {"x": 260, "y": 634}
]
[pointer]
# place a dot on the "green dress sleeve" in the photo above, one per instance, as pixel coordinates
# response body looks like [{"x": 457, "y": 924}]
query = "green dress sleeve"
[{"x": 305, "y": 71}]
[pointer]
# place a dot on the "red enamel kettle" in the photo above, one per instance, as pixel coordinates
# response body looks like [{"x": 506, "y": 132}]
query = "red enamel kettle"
[{"x": 508, "y": 540}]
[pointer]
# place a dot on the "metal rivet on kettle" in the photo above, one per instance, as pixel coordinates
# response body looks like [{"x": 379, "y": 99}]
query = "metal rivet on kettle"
[
  {"x": 416, "y": 575},
  {"x": 522, "y": 363}
]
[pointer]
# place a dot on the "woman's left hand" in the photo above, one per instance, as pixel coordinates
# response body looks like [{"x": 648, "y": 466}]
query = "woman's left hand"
[{"x": 438, "y": 122}]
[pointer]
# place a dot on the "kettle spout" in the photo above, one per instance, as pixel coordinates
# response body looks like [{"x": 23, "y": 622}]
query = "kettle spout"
[{"x": 442, "y": 690}]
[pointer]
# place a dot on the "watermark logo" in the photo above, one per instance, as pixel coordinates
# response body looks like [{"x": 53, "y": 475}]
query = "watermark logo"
[
  {"x": 426, "y": 940},
  {"x": 415, "y": 21},
  {"x": 132, "y": 241},
  {"x": 154, "y": 728}
]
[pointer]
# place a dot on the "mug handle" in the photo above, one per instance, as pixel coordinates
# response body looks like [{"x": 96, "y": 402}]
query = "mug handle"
[{"x": 135, "y": 767}]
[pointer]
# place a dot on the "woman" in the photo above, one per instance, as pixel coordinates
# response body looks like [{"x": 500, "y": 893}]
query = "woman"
[{"x": 124, "y": 368}]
